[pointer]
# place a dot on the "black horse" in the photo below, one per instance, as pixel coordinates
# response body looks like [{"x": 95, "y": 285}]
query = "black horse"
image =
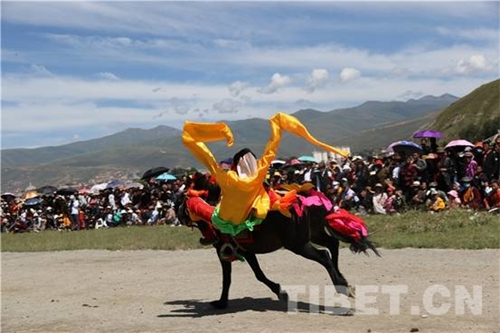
[{"x": 308, "y": 235}]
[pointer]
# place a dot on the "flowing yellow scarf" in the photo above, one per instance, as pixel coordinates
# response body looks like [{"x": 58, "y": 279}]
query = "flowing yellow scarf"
[{"x": 242, "y": 197}]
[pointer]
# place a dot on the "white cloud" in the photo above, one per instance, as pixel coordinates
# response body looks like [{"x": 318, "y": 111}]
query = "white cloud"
[
  {"x": 349, "y": 74},
  {"x": 475, "y": 64},
  {"x": 303, "y": 102},
  {"x": 425, "y": 59},
  {"x": 398, "y": 71},
  {"x": 73, "y": 104},
  {"x": 227, "y": 105},
  {"x": 233, "y": 44},
  {"x": 490, "y": 35},
  {"x": 73, "y": 89},
  {"x": 108, "y": 76},
  {"x": 179, "y": 106},
  {"x": 277, "y": 81},
  {"x": 410, "y": 94},
  {"x": 317, "y": 79},
  {"x": 39, "y": 70},
  {"x": 245, "y": 99},
  {"x": 237, "y": 87},
  {"x": 165, "y": 18}
]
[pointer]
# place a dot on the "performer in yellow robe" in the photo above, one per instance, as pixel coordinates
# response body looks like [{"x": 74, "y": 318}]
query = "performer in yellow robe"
[{"x": 244, "y": 201}]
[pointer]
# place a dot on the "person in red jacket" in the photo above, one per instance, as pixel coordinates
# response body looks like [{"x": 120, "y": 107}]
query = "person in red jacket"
[{"x": 493, "y": 199}]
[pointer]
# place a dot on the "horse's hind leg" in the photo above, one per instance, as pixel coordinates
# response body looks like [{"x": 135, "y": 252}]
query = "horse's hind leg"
[
  {"x": 251, "y": 258},
  {"x": 309, "y": 251},
  {"x": 226, "y": 282},
  {"x": 332, "y": 245}
]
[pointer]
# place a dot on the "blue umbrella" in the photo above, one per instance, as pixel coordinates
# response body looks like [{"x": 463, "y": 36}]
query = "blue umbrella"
[
  {"x": 404, "y": 146},
  {"x": 307, "y": 158},
  {"x": 32, "y": 202},
  {"x": 166, "y": 176},
  {"x": 114, "y": 184}
]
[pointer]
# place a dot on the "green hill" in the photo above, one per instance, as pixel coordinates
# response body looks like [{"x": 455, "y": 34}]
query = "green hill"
[
  {"x": 473, "y": 117},
  {"x": 129, "y": 137}
]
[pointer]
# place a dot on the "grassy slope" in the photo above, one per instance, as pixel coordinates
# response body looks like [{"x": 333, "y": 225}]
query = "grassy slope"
[
  {"x": 380, "y": 137},
  {"x": 480, "y": 106},
  {"x": 453, "y": 229}
]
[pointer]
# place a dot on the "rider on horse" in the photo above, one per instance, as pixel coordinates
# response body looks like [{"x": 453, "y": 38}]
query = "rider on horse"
[{"x": 245, "y": 201}]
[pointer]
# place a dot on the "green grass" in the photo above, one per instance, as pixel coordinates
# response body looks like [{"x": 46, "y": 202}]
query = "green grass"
[
  {"x": 126, "y": 238},
  {"x": 452, "y": 229},
  {"x": 455, "y": 229}
]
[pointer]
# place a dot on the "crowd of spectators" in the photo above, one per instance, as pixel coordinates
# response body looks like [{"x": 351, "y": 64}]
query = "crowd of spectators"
[
  {"x": 111, "y": 207},
  {"x": 434, "y": 179}
]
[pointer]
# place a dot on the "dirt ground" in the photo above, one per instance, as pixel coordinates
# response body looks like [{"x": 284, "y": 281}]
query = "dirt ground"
[{"x": 163, "y": 291}]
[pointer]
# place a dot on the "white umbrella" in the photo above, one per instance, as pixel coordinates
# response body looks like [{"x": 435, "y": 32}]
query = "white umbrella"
[
  {"x": 459, "y": 143},
  {"x": 98, "y": 187}
]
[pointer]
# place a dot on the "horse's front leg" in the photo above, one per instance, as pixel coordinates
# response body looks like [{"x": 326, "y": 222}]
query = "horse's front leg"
[
  {"x": 251, "y": 258},
  {"x": 226, "y": 283}
]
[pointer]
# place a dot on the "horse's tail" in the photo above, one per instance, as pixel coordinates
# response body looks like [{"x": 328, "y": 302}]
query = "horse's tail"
[
  {"x": 363, "y": 246},
  {"x": 350, "y": 229}
]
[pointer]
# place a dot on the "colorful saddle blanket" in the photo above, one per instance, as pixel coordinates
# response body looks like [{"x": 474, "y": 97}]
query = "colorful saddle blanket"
[{"x": 341, "y": 224}]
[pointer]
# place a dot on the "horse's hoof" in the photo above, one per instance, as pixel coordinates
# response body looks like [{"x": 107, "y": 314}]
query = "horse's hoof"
[
  {"x": 352, "y": 291},
  {"x": 349, "y": 290},
  {"x": 219, "y": 304},
  {"x": 349, "y": 313},
  {"x": 283, "y": 296}
]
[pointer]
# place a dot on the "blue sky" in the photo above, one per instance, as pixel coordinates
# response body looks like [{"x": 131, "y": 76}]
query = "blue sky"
[{"x": 79, "y": 70}]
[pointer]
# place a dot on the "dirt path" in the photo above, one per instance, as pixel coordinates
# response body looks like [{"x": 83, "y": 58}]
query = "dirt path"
[{"x": 162, "y": 291}]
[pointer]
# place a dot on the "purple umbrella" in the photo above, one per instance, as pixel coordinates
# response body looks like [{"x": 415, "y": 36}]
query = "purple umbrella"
[
  {"x": 459, "y": 143},
  {"x": 428, "y": 134},
  {"x": 404, "y": 146},
  {"x": 226, "y": 163}
]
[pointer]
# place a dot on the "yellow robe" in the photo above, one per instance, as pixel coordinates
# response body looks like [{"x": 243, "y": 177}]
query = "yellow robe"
[{"x": 243, "y": 196}]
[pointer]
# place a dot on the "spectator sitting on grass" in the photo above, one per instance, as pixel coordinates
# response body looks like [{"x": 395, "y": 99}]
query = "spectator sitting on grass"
[
  {"x": 170, "y": 216},
  {"x": 470, "y": 195},
  {"x": 442, "y": 194},
  {"x": 350, "y": 199},
  {"x": 453, "y": 199},
  {"x": 389, "y": 205},
  {"x": 155, "y": 214},
  {"x": 436, "y": 204},
  {"x": 366, "y": 200},
  {"x": 379, "y": 199},
  {"x": 108, "y": 220},
  {"x": 399, "y": 201},
  {"x": 418, "y": 200},
  {"x": 492, "y": 201}
]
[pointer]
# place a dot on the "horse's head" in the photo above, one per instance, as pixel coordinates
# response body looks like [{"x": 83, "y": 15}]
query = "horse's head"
[{"x": 182, "y": 212}]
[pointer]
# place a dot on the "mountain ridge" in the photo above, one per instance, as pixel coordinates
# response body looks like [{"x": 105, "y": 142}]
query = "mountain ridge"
[{"x": 134, "y": 150}]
